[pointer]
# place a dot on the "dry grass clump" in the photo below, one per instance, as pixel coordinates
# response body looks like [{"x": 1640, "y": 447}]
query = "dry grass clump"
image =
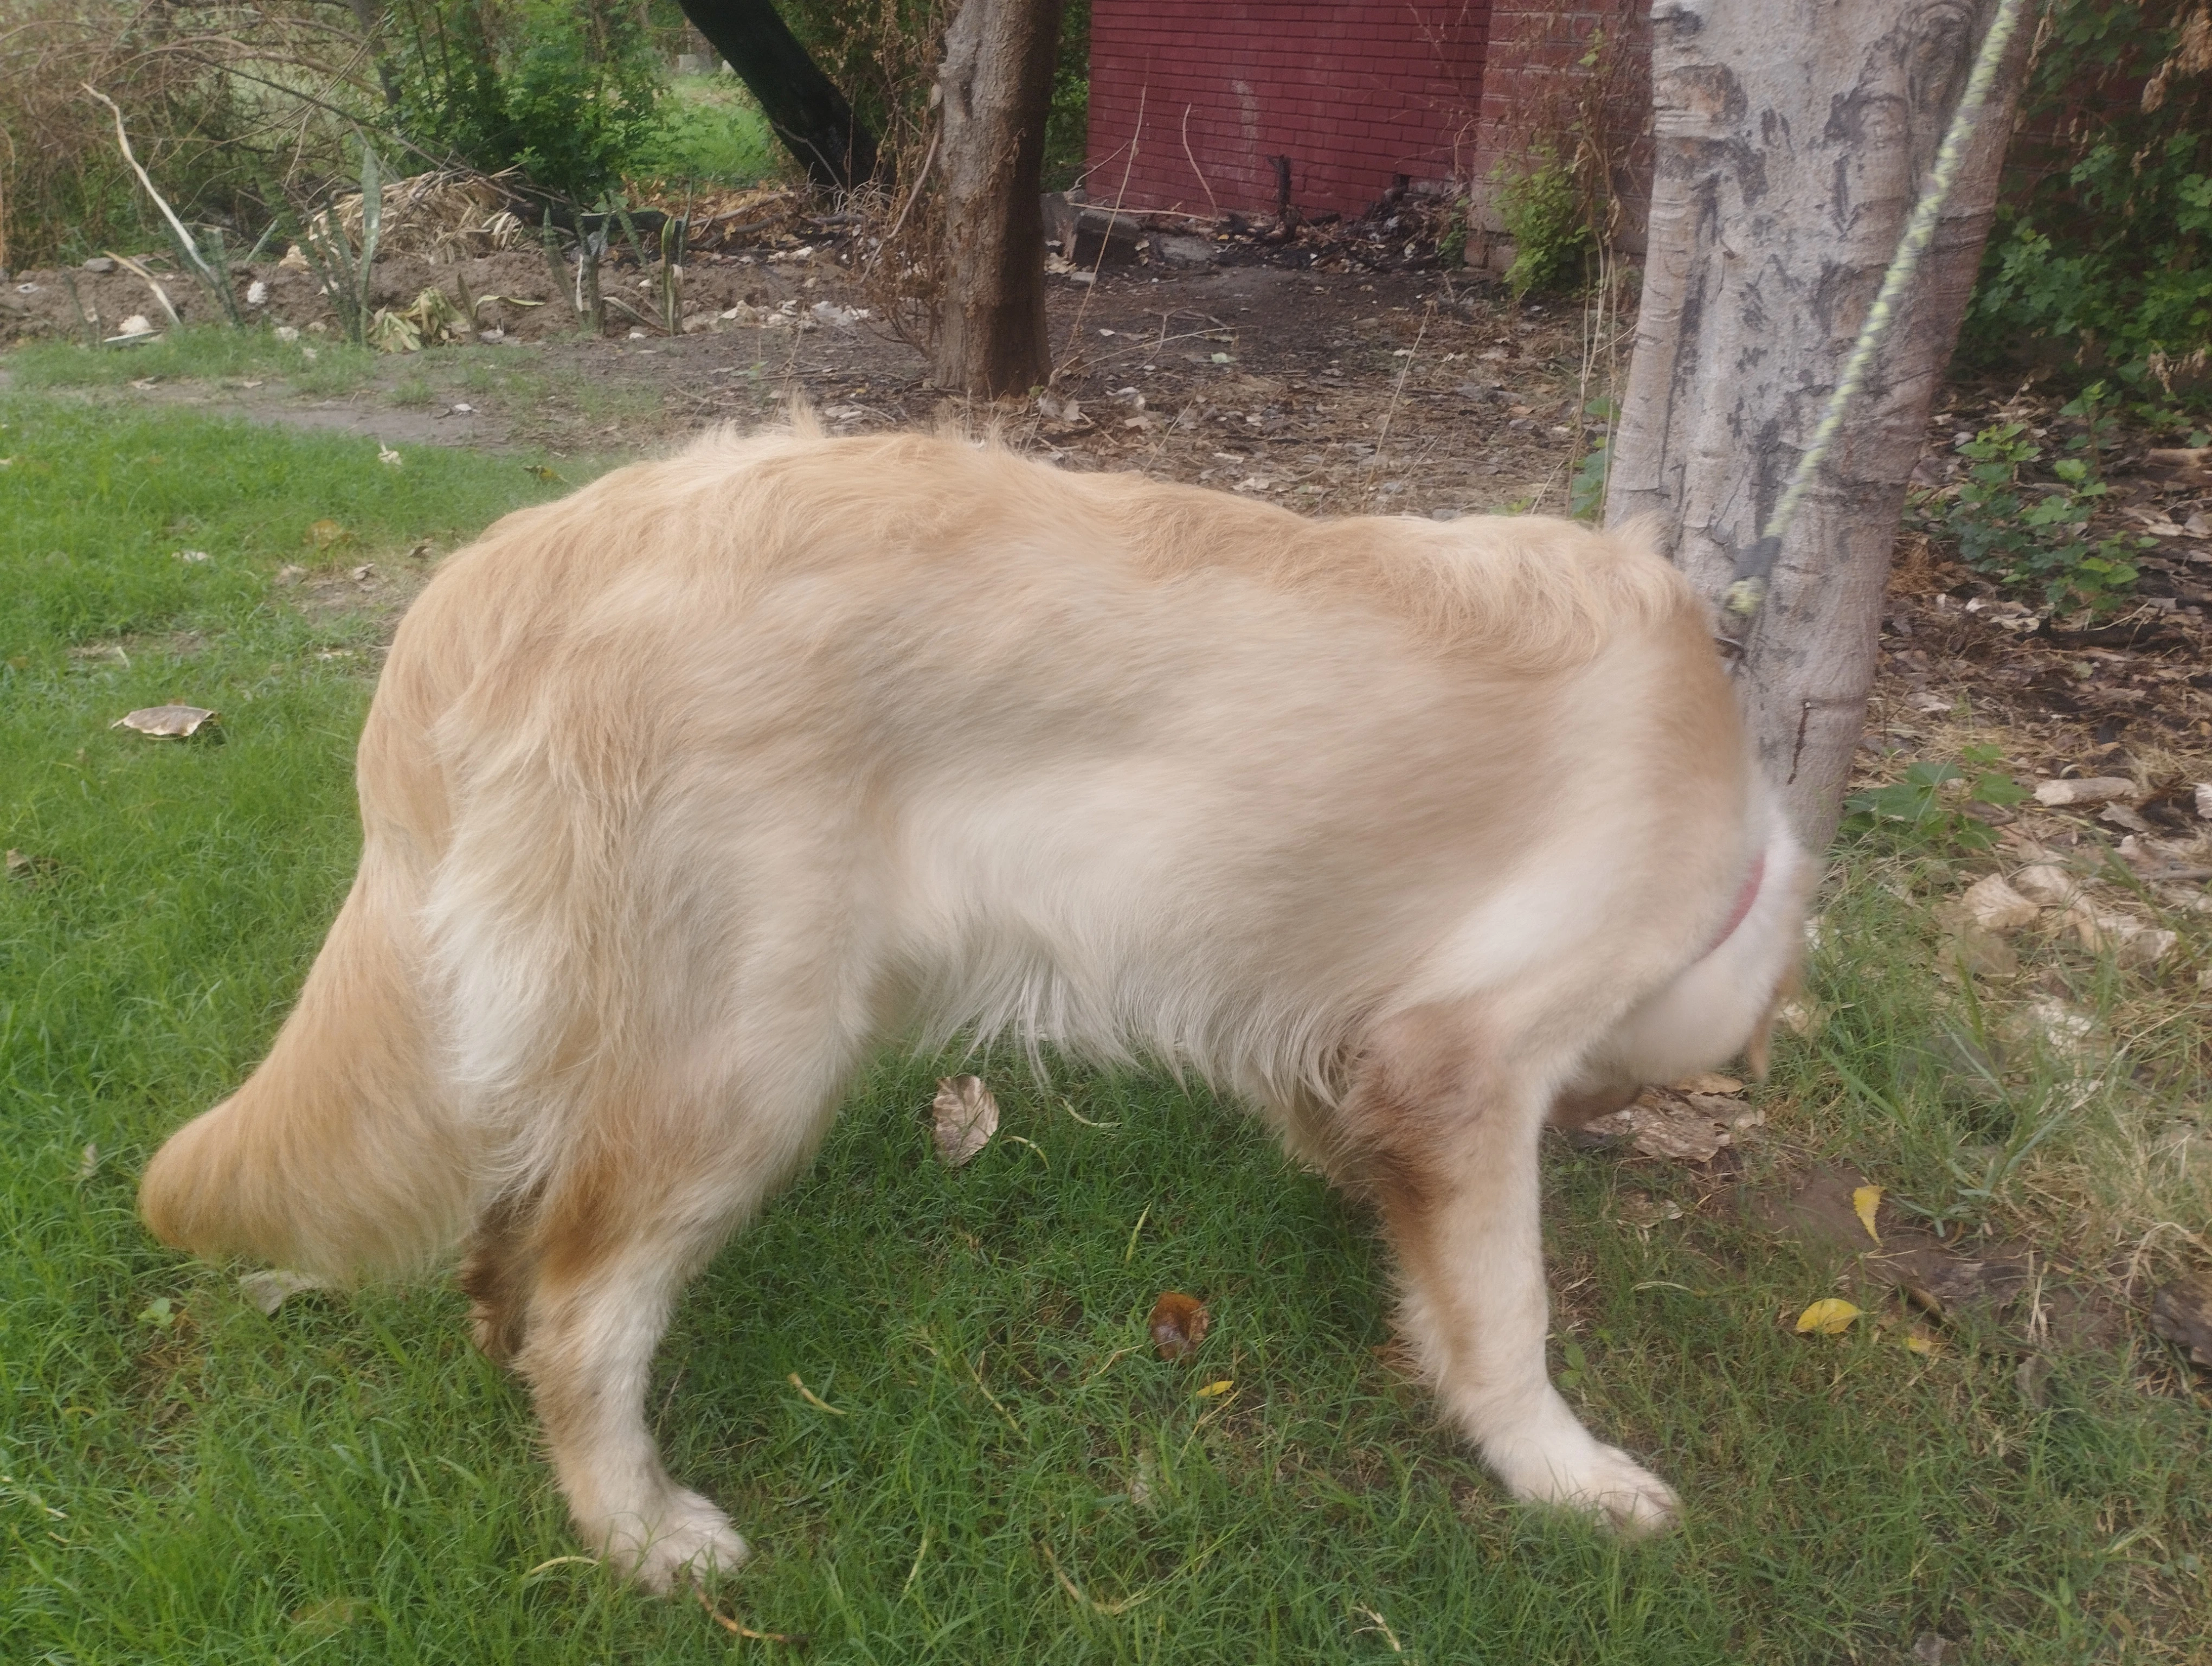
[
  {"x": 213, "y": 97},
  {"x": 444, "y": 216}
]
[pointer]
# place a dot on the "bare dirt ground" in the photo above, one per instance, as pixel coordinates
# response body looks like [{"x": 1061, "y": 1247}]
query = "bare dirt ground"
[{"x": 1354, "y": 391}]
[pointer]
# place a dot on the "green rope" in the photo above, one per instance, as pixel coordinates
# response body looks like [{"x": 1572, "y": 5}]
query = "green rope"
[{"x": 1749, "y": 588}]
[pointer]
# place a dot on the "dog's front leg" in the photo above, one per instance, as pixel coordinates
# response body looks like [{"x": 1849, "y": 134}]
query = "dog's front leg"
[{"x": 1447, "y": 1141}]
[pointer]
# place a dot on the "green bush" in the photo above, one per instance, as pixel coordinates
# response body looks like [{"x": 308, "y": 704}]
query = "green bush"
[
  {"x": 709, "y": 130},
  {"x": 1541, "y": 208},
  {"x": 2035, "y": 534},
  {"x": 568, "y": 93},
  {"x": 2106, "y": 256}
]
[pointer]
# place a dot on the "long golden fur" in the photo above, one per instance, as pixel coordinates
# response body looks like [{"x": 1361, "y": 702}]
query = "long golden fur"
[{"x": 683, "y": 793}]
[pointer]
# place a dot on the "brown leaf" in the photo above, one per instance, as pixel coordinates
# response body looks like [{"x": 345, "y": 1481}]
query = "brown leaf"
[
  {"x": 1708, "y": 1081},
  {"x": 1690, "y": 1127},
  {"x": 2181, "y": 1312},
  {"x": 178, "y": 720},
  {"x": 2097, "y": 789},
  {"x": 1995, "y": 906},
  {"x": 966, "y": 1118},
  {"x": 31, "y": 869},
  {"x": 1179, "y": 1324}
]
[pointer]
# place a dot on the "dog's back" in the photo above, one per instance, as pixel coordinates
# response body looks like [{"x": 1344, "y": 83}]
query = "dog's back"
[{"x": 681, "y": 793}]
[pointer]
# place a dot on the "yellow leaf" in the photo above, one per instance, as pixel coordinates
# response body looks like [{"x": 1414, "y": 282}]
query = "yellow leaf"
[
  {"x": 1213, "y": 1389},
  {"x": 1920, "y": 1344},
  {"x": 1831, "y": 1316},
  {"x": 1865, "y": 1199}
]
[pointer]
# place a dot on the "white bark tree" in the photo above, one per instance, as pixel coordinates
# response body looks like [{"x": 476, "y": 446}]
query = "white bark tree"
[{"x": 1792, "y": 139}]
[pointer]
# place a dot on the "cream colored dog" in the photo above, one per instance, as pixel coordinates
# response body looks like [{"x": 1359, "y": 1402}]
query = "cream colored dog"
[{"x": 682, "y": 794}]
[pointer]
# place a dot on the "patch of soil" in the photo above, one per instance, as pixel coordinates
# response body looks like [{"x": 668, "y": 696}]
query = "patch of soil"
[
  {"x": 1988, "y": 1283},
  {"x": 1338, "y": 392}
]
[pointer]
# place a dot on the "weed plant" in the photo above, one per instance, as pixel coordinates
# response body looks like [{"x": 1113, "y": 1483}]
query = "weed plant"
[
  {"x": 2102, "y": 253},
  {"x": 2036, "y": 535},
  {"x": 1009, "y": 1474}
]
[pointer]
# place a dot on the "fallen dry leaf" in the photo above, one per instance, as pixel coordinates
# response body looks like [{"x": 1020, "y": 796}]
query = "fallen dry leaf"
[
  {"x": 2181, "y": 1312},
  {"x": 21, "y": 865},
  {"x": 1800, "y": 1017},
  {"x": 2132, "y": 942},
  {"x": 1831, "y": 1316},
  {"x": 325, "y": 532},
  {"x": 2047, "y": 885},
  {"x": 175, "y": 721},
  {"x": 1992, "y": 904},
  {"x": 966, "y": 1118},
  {"x": 1708, "y": 1082},
  {"x": 267, "y": 1290},
  {"x": 1687, "y": 1127},
  {"x": 1212, "y": 1390},
  {"x": 2097, "y": 789},
  {"x": 1178, "y": 1324},
  {"x": 1865, "y": 1199}
]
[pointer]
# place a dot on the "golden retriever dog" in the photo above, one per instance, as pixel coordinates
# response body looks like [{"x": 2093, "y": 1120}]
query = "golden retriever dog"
[{"x": 682, "y": 794}]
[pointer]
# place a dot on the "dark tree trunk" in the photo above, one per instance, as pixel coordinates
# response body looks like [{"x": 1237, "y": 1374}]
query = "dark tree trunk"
[
  {"x": 994, "y": 96},
  {"x": 808, "y": 114}
]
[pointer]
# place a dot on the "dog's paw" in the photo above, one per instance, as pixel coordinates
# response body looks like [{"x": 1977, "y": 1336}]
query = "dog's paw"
[
  {"x": 1567, "y": 1468},
  {"x": 686, "y": 1540},
  {"x": 1621, "y": 1492}
]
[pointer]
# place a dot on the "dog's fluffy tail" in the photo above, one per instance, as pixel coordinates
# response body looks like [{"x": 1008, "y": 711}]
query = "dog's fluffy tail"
[
  {"x": 347, "y": 1153},
  {"x": 339, "y": 1156}
]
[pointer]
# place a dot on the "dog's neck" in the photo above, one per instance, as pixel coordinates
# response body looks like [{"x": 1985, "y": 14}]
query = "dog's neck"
[{"x": 1744, "y": 899}]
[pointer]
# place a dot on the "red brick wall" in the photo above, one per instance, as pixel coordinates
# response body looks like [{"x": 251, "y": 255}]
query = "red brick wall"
[
  {"x": 1354, "y": 94},
  {"x": 1537, "y": 80}
]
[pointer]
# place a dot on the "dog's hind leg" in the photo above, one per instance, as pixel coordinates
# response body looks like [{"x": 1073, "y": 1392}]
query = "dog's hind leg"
[
  {"x": 638, "y": 1204},
  {"x": 1446, "y": 1138}
]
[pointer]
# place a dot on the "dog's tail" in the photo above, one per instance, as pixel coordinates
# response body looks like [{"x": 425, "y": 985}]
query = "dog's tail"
[
  {"x": 347, "y": 1153},
  {"x": 338, "y": 1157}
]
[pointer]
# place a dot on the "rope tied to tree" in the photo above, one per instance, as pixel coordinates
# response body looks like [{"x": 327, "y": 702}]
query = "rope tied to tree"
[{"x": 1753, "y": 565}]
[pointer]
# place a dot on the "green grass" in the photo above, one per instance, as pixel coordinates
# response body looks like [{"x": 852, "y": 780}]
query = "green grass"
[
  {"x": 185, "y": 1480},
  {"x": 196, "y": 353},
  {"x": 711, "y": 133}
]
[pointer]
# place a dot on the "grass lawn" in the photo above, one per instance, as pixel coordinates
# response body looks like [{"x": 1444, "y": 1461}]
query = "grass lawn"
[{"x": 1008, "y": 1475}]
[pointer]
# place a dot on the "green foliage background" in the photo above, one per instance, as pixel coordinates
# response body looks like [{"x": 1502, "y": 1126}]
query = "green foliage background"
[
  {"x": 2102, "y": 254},
  {"x": 566, "y": 92}
]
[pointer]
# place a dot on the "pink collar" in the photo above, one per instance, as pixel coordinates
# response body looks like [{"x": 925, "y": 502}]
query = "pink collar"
[{"x": 1744, "y": 899}]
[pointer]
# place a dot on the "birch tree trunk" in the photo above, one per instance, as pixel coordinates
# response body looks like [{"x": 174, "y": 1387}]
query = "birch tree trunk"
[
  {"x": 994, "y": 95},
  {"x": 1792, "y": 139}
]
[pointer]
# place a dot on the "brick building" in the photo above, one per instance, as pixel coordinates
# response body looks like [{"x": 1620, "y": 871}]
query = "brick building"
[{"x": 1204, "y": 105}]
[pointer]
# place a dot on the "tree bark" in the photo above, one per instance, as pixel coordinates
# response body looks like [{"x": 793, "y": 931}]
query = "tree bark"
[
  {"x": 994, "y": 95},
  {"x": 1793, "y": 139},
  {"x": 806, "y": 112}
]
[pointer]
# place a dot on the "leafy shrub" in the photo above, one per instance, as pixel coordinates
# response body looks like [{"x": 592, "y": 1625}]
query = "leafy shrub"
[
  {"x": 2106, "y": 256},
  {"x": 707, "y": 130},
  {"x": 1541, "y": 208},
  {"x": 2036, "y": 535},
  {"x": 566, "y": 92},
  {"x": 65, "y": 192},
  {"x": 1917, "y": 810}
]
